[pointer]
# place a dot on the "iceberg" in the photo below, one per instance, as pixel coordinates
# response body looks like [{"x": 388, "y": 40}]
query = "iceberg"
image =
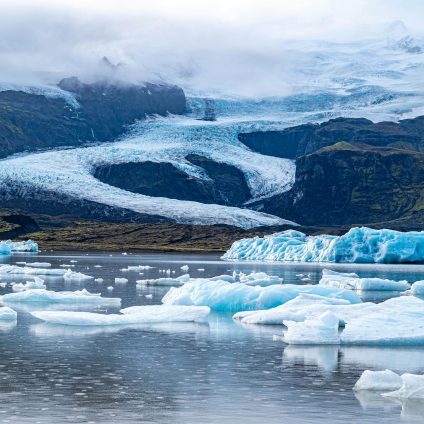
[
  {"x": 358, "y": 245},
  {"x": 7, "y": 314},
  {"x": 306, "y": 306},
  {"x": 119, "y": 280},
  {"x": 48, "y": 296},
  {"x": 378, "y": 381},
  {"x": 166, "y": 281},
  {"x": 260, "y": 279},
  {"x": 67, "y": 274},
  {"x": 223, "y": 296},
  {"x": 323, "y": 330},
  {"x": 132, "y": 267},
  {"x": 130, "y": 316},
  {"x": 395, "y": 322},
  {"x": 351, "y": 281},
  {"x": 412, "y": 387},
  {"x": 9, "y": 246},
  {"x": 417, "y": 288},
  {"x": 37, "y": 283}
]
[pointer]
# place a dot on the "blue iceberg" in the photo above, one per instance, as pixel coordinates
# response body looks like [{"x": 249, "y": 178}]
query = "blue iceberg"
[
  {"x": 358, "y": 245},
  {"x": 9, "y": 246}
]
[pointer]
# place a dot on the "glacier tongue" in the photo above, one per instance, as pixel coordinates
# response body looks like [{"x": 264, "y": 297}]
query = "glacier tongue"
[{"x": 358, "y": 245}]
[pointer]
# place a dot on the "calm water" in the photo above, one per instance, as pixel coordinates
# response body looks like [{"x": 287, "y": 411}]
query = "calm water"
[{"x": 216, "y": 372}]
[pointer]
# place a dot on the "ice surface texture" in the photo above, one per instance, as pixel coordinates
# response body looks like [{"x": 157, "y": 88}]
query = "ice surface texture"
[
  {"x": 358, "y": 245},
  {"x": 7, "y": 314},
  {"x": 378, "y": 381}
]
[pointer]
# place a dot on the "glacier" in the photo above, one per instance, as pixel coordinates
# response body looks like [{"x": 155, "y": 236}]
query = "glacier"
[
  {"x": 352, "y": 281},
  {"x": 221, "y": 295},
  {"x": 130, "y": 316},
  {"x": 358, "y": 245},
  {"x": 9, "y": 246}
]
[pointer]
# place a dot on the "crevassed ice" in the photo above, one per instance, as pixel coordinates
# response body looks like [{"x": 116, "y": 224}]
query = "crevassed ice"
[
  {"x": 358, "y": 245},
  {"x": 223, "y": 296}
]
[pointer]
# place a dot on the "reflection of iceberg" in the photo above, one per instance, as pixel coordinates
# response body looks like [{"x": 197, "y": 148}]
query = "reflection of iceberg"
[
  {"x": 358, "y": 245},
  {"x": 372, "y": 400},
  {"x": 6, "y": 326},
  {"x": 324, "y": 357}
]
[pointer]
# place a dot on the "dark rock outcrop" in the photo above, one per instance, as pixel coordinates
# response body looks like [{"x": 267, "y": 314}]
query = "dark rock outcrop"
[
  {"x": 226, "y": 185},
  {"x": 300, "y": 140},
  {"x": 353, "y": 184},
  {"x": 30, "y": 122}
]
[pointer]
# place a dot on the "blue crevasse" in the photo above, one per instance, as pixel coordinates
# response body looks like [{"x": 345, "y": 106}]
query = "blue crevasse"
[{"x": 358, "y": 245}]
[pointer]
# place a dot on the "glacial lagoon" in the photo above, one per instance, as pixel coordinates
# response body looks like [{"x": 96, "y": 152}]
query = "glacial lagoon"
[{"x": 217, "y": 370}]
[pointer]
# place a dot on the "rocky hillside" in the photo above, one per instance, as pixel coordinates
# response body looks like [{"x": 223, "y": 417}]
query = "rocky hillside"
[{"x": 30, "y": 122}]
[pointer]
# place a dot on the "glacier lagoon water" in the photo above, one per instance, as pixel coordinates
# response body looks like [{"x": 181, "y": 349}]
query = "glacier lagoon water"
[{"x": 217, "y": 371}]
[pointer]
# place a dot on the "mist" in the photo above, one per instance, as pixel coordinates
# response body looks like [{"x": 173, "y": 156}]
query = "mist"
[{"x": 233, "y": 47}]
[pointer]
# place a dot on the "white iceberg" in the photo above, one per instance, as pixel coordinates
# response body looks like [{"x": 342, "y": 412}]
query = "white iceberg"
[
  {"x": 395, "y": 322},
  {"x": 119, "y": 280},
  {"x": 7, "y": 314},
  {"x": 48, "y": 296},
  {"x": 351, "y": 281},
  {"x": 223, "y": 296},
  {"x": 185, "y": 268},
  {"x": 412, "y": 387},
  {"x": 358, "y": 245},
  {"x": 27, "y": 270},
  {"x": 306, "y": 306},
  {"x": 378, "y": 381},
  {"x": 130, "y": 316},
  {"x": 417, "y": 288},
  {"x": 38, "y": 264},
  {"x": 323, "y": 330},
  {"x": 37, "y": 283},
  {"x": 76, "y": 276},
  {"x": 260, "y": 279},
  {"x": 166, "y": 281},
  {"x": 133, "y": 267}
]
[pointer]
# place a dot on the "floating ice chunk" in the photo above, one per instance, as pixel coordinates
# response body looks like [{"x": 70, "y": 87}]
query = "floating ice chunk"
[
  {"x": 148, "y": 296},
  {"x": 351, "y": 281},
  {"x": 167, "y": 281},
  {"x": 260, "y": 279},
  {"x": 398, "y": 321},
  {"x": 27, "y": 270},
  {"x": 200, "y": 269},
  {"x": 98, "y": 280},
  {"x": 306, "y": 306},
  {"x": 67, "y": 265},
  {"x": 110, "y": 288},
  {"x": 224, "y": 277},
  {"x": 321, "y": 330},
  {"x": 73, "y": 261},
  {"x": 135, "y": 315},
  {"x": 136, "y": 268},
  {"x": 412, "y": 387},
  {"x": 224, "y": 296},
  {"x": 8, "y": 247},
  {"x": 121, "y": 280},
  {"x": 378, "y": 381},
  {"x": 76, "y": 276},
  {"x": 39, "y": 264},
  {"x": 185, "y": 268},
  {"x": 47, "y": 296},
  {"x": 358, "y": 245},
  {"x": 417, "y": 288},
  {"x": 98, "y": 266},
  {"x": 7, "y": 314},
  {"x": 38, "y": 283}
]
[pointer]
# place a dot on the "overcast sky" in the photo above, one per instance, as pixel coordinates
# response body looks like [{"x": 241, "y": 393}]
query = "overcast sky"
[{"x": 228, "y": 43}]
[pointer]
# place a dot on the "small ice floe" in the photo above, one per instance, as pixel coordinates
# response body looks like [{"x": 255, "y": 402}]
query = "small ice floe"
[
  {"x": 27, "y": 270},
  {"x": 351, "y": 281},
  {"x": 7, "y": 314},
  {"x": 306, "y": 306},
  {"x": 323, "y": 330},
  {"x": 412, "y": 387},
  {"x": 76, "y": 276},
  {"x": 119, "y": 280},
  {"x": 67, "y": 265},
  {"x": 39, "y": 264},
  {"x": 71, "y": 297},
  {"x": 200, "y": 269},
  {"x": 224, "y": 296},
  {"x": 148, "y": 296},
  {"x": 124, "y": 253},
  {"x": 73, "y": 261},
  {"x": 260, "y": 279},
  {"x": 110, "y": 288},
  {"x": 378, "y": 381},
  {"x": 417, "y": 288},
  {"x": 98, "y": 266},
  {"x": 179, "y": 281},
  {"x": 136, "y": 268},
  {"x": 130, "y": 316},
  {"x": 98, "y": 280},
  {"x": 185, "y": 268},
  {"x": 37, "y": 283}
]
